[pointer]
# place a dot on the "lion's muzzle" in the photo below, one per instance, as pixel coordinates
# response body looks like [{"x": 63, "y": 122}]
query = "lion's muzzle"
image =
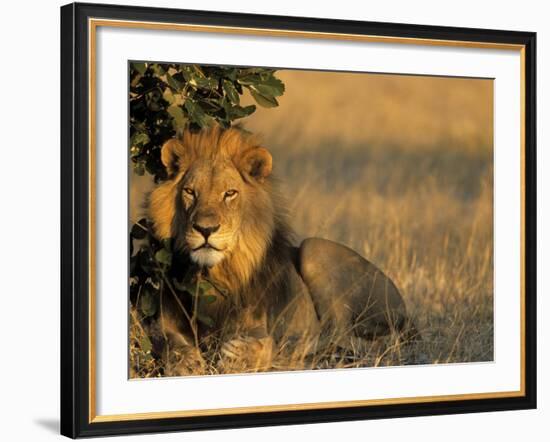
[
  {"x": 206, "y": 231},
  {"x": 205, "y": 249}
]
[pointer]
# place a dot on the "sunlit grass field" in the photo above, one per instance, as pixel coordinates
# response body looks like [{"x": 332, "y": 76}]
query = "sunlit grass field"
[{"x": 400, "y": 169}]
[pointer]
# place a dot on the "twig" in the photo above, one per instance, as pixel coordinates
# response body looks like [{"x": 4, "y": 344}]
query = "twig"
[
  {"x": 196, "y": 304},
  {"x": 193, "y": 328}
]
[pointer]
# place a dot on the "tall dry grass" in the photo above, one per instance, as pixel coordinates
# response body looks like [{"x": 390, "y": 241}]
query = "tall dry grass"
[{"x": 400, "y": 169}]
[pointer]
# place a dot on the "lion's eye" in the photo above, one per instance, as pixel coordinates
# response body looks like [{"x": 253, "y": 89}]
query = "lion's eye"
[
  {"x": 230, "y": 193},
  {"x": 189, "y": 191}
]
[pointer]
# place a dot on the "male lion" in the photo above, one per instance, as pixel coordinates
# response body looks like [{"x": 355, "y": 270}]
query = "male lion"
[{"x": 219, "y": 207}]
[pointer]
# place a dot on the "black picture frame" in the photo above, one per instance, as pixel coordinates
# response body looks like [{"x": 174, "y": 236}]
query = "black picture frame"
[{"x": 75, "y": 219}]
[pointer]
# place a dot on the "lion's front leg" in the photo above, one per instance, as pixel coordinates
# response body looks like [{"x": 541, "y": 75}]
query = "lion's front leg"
[
  {"x": 179, "y": 353},
  {"x": 247, "y": 353},
  {"x": 184, "y": 361},
  {"x": 249, "y": 347}
]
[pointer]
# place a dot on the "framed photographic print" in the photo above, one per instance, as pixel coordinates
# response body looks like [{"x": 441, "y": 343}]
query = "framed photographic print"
[{"x": 279, "y": 220}]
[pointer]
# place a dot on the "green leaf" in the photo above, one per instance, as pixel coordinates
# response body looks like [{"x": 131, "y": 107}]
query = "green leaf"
[
  {"x": 193, "y": 108},
  {"x": 231, "y": 92},
  {"x": 186, "y": 71},
  {"x": 171, "y": 97},
  {"x": 264, "y": 100},
  {"x": 168, "y": 95},
  {"x": 145, "y": 344},
  {"x": 148, "y": 301},
  {"x": 140, "y": 67},
  {"x": 158, "y": 70},
  {"x": 274, "y": 84},
  {"x": 134, "y": 151},
  {"x": 205, "y": 287},
  {"x": 178, "y": 117},
  {"x": 183, "y": 286},
  {"x": 173, "y": 83},
  {"x": 134, "y": 83},
  {"x": 206, "y": 320},
  {"x": 248, "y": 80},
  {"x": 139, "y": 168},
  {"x": 204, "y": 83},
  {"x": 167, "y": 244},
  {"x": 210, "y": 299},
  {"x": 260, "y": 71},
  {"x": 163, "y": 256},
  {"x": 230, "y": 73},
  {"x": 139, "y": 139},
  {"x": 241, "y": 112},
  {"x": 197, "y": 114},
  {"x": 268, "y": 90}
]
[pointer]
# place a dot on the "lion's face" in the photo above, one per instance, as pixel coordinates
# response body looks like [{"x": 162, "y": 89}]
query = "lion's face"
[
  {"x": 212, "y": 197},
  {"x": 216, "y": 203}
]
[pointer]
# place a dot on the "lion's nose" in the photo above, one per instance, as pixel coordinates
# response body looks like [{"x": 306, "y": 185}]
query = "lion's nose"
[{"x": 206, "y": 231}]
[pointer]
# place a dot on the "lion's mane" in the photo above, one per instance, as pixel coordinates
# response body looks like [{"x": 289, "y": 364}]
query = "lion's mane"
[{"x": 259, "y": 262}]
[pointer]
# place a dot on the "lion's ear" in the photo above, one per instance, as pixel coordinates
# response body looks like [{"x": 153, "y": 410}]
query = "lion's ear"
[
  {"x": 257, "y": 162},
  {"x": 172, "y": 155}
]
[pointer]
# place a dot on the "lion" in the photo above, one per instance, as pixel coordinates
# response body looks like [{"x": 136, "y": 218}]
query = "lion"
[{"x": 220, "y": 207}]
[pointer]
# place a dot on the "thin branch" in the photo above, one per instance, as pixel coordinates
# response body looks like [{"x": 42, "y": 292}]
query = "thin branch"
[{"x": 193, "y": 328}]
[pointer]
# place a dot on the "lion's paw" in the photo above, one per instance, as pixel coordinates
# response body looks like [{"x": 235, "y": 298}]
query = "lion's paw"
[
  {"x": 185, "y": 361},
  {"x": 247, "y": 354}
]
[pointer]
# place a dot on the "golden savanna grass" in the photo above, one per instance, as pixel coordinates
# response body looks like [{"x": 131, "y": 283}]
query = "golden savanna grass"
[{"x": 399, "y": 168}]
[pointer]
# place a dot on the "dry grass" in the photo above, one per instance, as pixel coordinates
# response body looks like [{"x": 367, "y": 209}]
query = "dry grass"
[{"x": 400, "y": 169}]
